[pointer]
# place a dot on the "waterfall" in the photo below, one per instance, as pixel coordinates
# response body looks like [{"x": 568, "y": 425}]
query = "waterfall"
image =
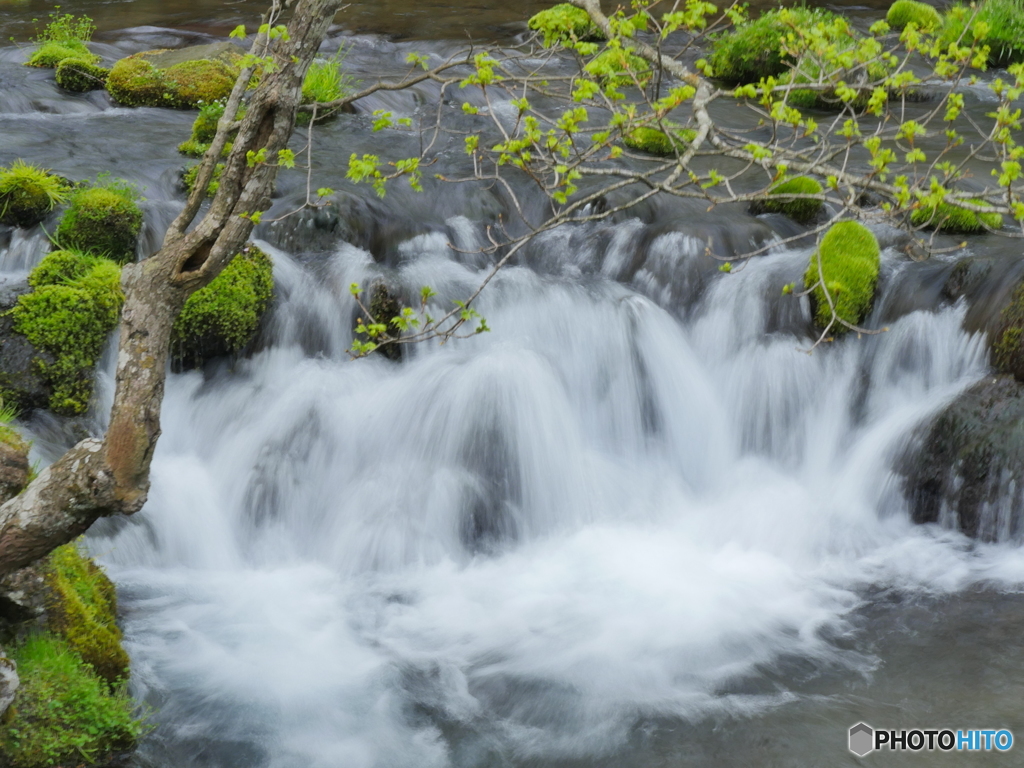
[{"x": 521, "y": 543}]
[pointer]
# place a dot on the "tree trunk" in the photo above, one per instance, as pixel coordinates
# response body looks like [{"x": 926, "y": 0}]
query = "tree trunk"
[{"x": 111, "y": 476}]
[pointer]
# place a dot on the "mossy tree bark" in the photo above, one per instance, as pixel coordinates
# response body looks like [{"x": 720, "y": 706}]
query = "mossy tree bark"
[{"x": 104, "y": 477}]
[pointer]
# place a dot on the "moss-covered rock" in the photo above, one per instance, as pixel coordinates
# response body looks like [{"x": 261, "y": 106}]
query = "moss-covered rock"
[
  {"x": 82, "y": 608},
  {"x": 1008, "y": 341},
  {"x": 564, "y": 24},
  {"x": 222, "y": 318},
  {"x": 177, "y": 79},
  {"x": 190, "y": 173},
  {"x": 68, "y": 316},
  {"x": 64, "y": 714},
  {"x": 964, "y": 468},
  {"x": 656, "y": 142},
  {"x": 204, "y": 129},
  {"x": 28, "y": 193},
  {"x": 80, "y": 75},
  {"x": 753, "y": 50},
  {"x": 1004, "y": 24},
  {"x": 104, "y": 220},
  {"x": 50, "y": 54},
  {"x": 956, "y": 220},
  {"x": 904, "y": 12},
  {"x": 803, "y": 211},
  {"x": 850, "y": 258}
]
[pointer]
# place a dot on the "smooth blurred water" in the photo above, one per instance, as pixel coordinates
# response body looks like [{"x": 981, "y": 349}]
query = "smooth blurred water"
[{"x": 513, "y": 549}]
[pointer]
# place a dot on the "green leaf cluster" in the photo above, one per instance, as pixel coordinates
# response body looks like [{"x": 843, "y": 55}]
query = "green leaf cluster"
[{"x": 564, "y": 24}]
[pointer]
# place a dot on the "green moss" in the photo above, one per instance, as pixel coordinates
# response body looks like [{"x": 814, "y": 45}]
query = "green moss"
[
  {"x": 204, "y": 129},
  {"x": 809, "y": 70},
  {"x": 222, "y": 317},
  {"x": 1008, "y": 345},
  {"x": 103, "y": 219},
  {"x": 904, "y": 12},
  {"x": 194, "y": 83},
  {"x": 134, "y": 82},
  {"x": 64, "y": 713},
  {"x": 191, "y": 172},
  {"x": 656, "y": 142},
  {"x": 50, "y": 54},
  {"x": 81, "y": 607},
  {"x": 849, "y": 261},
  {"x": 803, "y": 211},
  {"x": 69, "y": 315},
  {"x": 955, "y": 220},
  {"x": 79, "y": 75},
  {"x": 28, "y": 193},
  {"x": 1005, "y": 29},
  {"x": 564, "y": 24},
  {"x": 753, "y": 50}
]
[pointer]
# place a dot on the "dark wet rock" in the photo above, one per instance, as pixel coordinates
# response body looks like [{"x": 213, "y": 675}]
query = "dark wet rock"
[
  {"x": 966, "y": 470},
  {"x": 21, "y": 383},
  {"x": 22, "y": 596},
  {"x": 965, "y": 277}
]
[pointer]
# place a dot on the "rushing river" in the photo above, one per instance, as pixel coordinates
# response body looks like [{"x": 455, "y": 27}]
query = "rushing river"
[{"x": 635, "y": 525}]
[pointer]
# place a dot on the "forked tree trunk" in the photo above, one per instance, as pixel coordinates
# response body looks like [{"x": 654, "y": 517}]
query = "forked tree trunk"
[{"x": 108, "y": 476}]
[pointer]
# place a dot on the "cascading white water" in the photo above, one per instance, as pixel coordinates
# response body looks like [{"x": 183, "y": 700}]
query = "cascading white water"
[{"x": 521, "y": 542}]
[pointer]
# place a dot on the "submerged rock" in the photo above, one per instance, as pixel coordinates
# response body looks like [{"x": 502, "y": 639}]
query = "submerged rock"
[{"x": 967, "y": 469}]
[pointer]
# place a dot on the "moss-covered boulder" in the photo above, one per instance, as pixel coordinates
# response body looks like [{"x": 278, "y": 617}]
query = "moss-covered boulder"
[
  {"x": 753, "y": 49},
  {"x": 64, "y": 714},
  {"x": 28, "y": 193},
  {"x": 1004, "y": 29},
  {"x": 75, "y": 305},
  {"x": 564, "y": 24},
  {"x": 52, "y": 53},
  {"x": 204, "y": 129},
  {"x": 904, "y": 12},
  {"x": 82, "y": 608},
  {"x": 80, "y": 75},
  {"x": 655, "y": 142},
  {"x": 1008, "y": 339},
  {"x": 104, "y": 220},
  {"x": 955, "y": 220},
  {"x": 190, "y": 173},
  {"x": 803, "y": 211},
  {"x": 182, "y": 79},
  {"x": 964, "y": 467},
  {"x": 849, "y": 259},
  {"x": 222, "y": 318}
]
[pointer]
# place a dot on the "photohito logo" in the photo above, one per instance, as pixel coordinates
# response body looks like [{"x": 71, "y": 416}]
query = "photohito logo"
[{"x": 864, "y": 739}]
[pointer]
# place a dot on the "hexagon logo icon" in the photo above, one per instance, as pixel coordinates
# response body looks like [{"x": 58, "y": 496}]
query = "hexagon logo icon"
[{"x": 862, "y": 739}]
